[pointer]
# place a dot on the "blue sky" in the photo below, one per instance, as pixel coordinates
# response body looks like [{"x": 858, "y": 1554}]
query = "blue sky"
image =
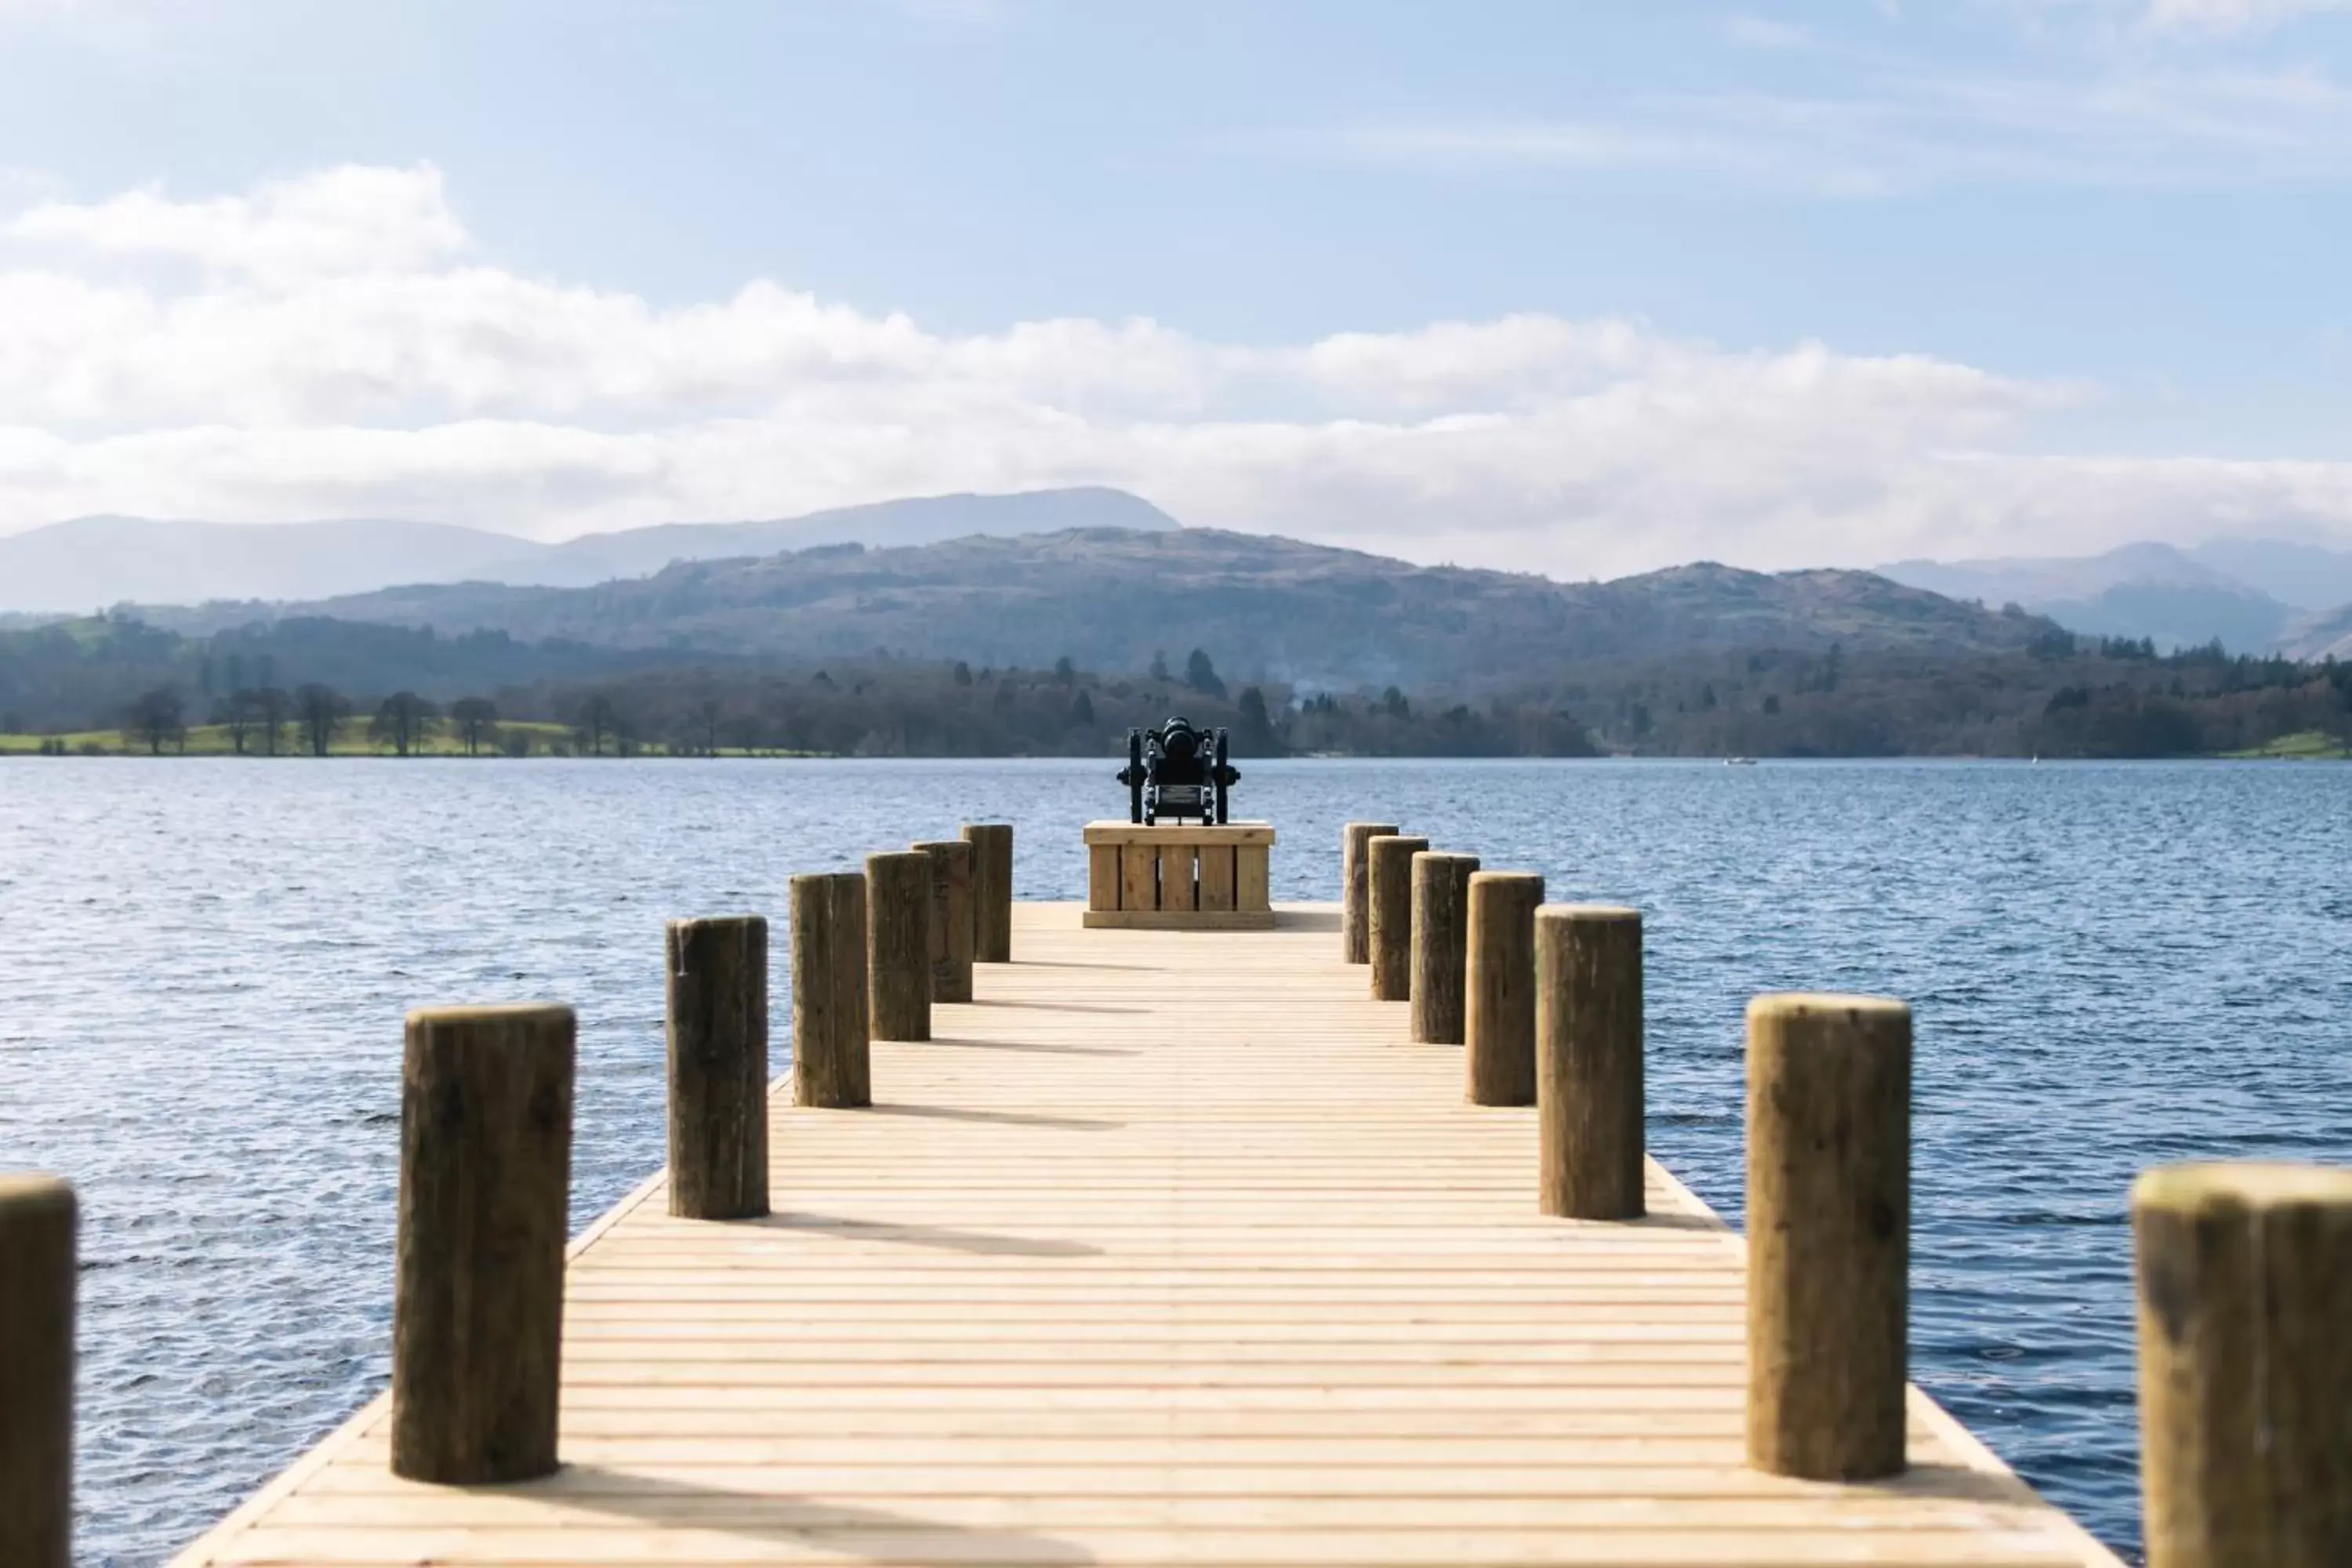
[{"x": 1583, "y": 288}]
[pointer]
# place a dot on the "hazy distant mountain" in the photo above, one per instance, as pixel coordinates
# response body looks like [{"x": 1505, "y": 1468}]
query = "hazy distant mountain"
[
  {"x": 2305, "y": 576},
  {"x": 2328, "y": 634},
  {"x": 1266, "y": 606},
  {"x": 927, "y": 520},
  {"x": 2151, "y": 591},
  {"x": 92, "y": 561}
]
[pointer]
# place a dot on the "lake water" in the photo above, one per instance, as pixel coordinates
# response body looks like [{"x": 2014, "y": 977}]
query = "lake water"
[{"x": 203, "y": 965}]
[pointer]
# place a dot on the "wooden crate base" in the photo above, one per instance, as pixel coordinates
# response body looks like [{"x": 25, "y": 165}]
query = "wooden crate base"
[{"x": 1203, "y": 877}]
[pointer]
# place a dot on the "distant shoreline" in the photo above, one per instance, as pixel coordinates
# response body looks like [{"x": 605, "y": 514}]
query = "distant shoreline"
[{"x": 2312, "y": 748}]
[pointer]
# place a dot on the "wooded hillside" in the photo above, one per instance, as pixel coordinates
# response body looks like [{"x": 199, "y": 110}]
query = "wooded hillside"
[{"x": 1270, "y": 609}]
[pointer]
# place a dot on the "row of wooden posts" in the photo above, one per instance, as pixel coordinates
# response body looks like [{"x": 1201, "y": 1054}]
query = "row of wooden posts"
[
  {"x": 2245, "y": 1269},
  {"x": 486, "y": 1165}
]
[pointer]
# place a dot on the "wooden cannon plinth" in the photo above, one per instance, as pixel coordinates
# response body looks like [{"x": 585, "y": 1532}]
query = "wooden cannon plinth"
[{"x": 1171, "y": 877}]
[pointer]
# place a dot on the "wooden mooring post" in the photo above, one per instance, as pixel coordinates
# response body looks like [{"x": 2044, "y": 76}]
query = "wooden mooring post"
[
  {"x": 831, "y": 1003},
  {"x": 1441, "y": 945},
  {"x": 2245, "y": 1365},
  {"x": 898, "y": 945},
  {"x": 718, "y": 995},
  {"x": 1498, "y": 1025},
  {"x": 951, "y": 929},
  {"x": 1589, "y": 1080},
  {"x": 39, "y": 1221},
  {"x": 1389, "y": 913},
  {"x": 992, "y": 890},
  {"x": 485, "y": 1190},
  {"x": 1829, "y": 1234},
  {"x": 1355, "y": 880}
]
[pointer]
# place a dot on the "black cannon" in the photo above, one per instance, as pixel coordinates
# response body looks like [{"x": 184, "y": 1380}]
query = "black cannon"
[{"x": 1177, "y": 772}]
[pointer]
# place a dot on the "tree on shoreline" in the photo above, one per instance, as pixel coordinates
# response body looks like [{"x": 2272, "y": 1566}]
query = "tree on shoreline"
[
  {"x": 1255, "y": 732},
  {"x": 234, "y": 714},
  {"x": 156, "y": 717},
  {"x": 321, "y": 710},
  {"x": 270, "y": 703},
  {"x": 1202, "y": 676},
  {"x": 401, "y": 719},
  {"x": 476, "y": 719},
  {"x": 595, "y": 723}
]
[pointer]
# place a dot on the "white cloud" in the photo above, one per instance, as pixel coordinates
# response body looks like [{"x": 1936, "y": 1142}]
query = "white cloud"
[
  {"x": 299, "y": 372},
  {"x": 345, "y": 220},
  {"x": 2223, "y": 16},
  {"x": 2134, "y": 125}
]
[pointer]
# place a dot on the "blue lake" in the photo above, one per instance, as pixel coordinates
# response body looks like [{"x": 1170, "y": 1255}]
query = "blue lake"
[{"x": 203, "y": 965}]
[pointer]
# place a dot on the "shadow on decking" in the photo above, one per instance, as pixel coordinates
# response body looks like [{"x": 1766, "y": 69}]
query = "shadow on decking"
[
  {"x": 1662, "y": 1219},
  {"x": 1000, "y": 1118},
  {"x": 1041, "y": 1047},
  {"x": 1306, "y": 920},
  {"x": 1953, "y": 1483},
  {"x": 980, "y": 1243},
  {"x": 852, "y": 1532},
  {"x": 1048, "y": 1006}
]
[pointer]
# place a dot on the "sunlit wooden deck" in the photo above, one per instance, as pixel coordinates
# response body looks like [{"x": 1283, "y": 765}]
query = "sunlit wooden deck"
[{"x": 1170, "y": 1249}]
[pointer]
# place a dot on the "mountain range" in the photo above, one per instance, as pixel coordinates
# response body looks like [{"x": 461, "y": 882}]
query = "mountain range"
[
  {"x": 92, "y": 561},
  {"x": 1310, "y": 616},
  {"x": 2257, "y": 595}
]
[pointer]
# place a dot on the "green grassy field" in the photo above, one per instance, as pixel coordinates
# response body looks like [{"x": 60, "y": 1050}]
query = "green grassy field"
[
  {"x": 213, "y": 740},
  {"x": 545, "y": 739},
  {"x": 2306, "y": 745}
]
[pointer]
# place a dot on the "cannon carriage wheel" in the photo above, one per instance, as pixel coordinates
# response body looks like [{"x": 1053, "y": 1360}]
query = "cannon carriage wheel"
[{"x": 1135, "y": 776}]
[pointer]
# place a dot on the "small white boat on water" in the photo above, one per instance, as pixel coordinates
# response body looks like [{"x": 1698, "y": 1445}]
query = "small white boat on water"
[{"x": 1738, "y": 762}]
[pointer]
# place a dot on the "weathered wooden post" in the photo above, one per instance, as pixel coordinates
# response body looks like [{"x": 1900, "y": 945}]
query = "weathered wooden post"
[
  {"x": 1829, "y": 1234},
  {"x": 898, "y": 945},
  {"x": 38, "y": 1269},
  {"x": 718, "y": 1067},
  {"x": 1389, "y": 913},
  {"x": 1498, "y": 1024},
  {"x": 992, "y": 890},
  {"x": 1355, "y": 881},
  {"x": 1441, "y": 938},
  {"x": 952, "y": 931},
  {"x": 1588, "y": 1034},
  {"x": 830, "y": 1002},
  {"x": 2245, "y": 1365},
  {"x": 477, "y": 1297}
]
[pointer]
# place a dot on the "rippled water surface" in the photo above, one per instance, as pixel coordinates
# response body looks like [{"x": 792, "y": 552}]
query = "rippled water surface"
[{"x": 203, "y": 964}]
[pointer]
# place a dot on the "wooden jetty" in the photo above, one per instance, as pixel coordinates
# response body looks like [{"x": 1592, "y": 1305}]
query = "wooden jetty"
[{"x": 1168, "y": 1248}]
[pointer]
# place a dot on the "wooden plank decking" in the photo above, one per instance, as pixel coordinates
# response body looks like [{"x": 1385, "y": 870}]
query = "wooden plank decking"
[{"x": 1170, "y": 1249}]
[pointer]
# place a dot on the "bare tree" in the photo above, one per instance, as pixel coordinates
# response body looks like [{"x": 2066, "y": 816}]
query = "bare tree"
[
  {"x": 320, "y": 710},
  {"x": 271, "y": 705},
  {"x": 236, "y": 713},
  {"x": 476, "y": 719},
  {"x": 401, "y": 719},
  {"x": 596, "y": 723},
  {"x": 155, "y": 717}
]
